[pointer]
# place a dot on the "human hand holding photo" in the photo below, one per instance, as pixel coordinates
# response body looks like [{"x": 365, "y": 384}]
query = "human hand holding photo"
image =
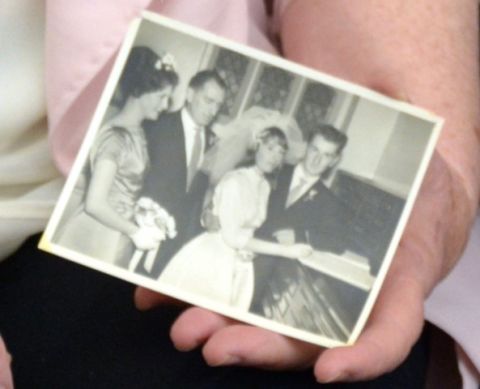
[{"x": 393, "y": 48}]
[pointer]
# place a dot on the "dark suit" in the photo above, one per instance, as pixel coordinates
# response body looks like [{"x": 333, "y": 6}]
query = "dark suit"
[
  {"x": 318, "y": 218},
  {"x": 166, "y": 181}
]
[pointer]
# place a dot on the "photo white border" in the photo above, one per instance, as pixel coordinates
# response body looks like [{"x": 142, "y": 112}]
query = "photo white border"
[{"x": 400, "y": 106}]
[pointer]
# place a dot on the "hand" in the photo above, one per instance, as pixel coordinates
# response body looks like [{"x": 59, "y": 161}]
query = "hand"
[
  {"x": 147, "y": 238},
  {"x": 298, "y": 250},
  {"x": 286, "y": 236},
  {"x": 6, "y": 380},
  {"x": 401, "y": 58},
  {"x": 384, "y": 342}
]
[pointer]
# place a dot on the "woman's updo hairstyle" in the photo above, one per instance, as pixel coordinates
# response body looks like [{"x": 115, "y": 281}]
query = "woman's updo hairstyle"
[
  {"x": 144, "y": 72},
  {"x": 269, "y": 133},
  {"x": 275, "y": 133}
]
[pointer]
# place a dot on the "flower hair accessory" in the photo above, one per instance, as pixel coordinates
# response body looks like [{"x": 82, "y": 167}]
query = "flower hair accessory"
[
  {"x": 166, "y": 62},
  {"x": 149, "y": 214}
]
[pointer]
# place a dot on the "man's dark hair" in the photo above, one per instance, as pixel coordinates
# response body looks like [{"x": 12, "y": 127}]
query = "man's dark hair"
[
  {"x": 331, "y": 134},
  {"x": 204, "y": 76}
]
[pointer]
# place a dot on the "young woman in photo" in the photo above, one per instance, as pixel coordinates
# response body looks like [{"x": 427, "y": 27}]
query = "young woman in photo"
[{"x": 117, "y": 164}]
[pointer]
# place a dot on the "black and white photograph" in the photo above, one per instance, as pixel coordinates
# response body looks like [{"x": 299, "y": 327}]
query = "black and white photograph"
[{"x": 240, "y": 182}]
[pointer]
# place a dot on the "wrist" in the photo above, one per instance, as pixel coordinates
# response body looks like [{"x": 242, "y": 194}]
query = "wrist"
[
  {"x": 461, "y": 153},
  {"x": 464, "y": 205},
  {"x": 438, "y": 226}
]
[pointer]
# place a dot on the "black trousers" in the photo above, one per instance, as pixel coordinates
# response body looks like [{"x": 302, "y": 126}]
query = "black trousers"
[{"x": 70, "y": 327}]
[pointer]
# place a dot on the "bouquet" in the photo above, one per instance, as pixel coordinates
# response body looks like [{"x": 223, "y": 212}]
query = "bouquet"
[{"x": 149, "y": 214}]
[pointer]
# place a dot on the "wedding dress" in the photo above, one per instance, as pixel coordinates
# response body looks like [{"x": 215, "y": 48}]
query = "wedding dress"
[{"x": 215, "y": 264}]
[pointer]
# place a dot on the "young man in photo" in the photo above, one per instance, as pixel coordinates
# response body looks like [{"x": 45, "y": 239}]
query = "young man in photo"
[{"x": 302, "y": 208}]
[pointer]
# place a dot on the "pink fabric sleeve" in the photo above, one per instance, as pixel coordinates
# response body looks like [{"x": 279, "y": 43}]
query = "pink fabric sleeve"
[{"x": 83, "y": 37}]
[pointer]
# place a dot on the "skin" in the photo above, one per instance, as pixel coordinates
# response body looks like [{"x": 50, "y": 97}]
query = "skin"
[
  {"x": 156, "y": 102},
  {"x": 204, "y": 103},
  {"x": 269, "y": 156},
  {"x": 413, "y": 50},
  {"x": 6, "y": 380},
  {"x": 320, "y": 156}
]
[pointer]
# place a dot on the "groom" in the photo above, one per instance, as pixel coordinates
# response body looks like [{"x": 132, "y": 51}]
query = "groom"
[
  {"x": 302, "y": 209},
  {"x": 176, "y": 144},
  {"x": 302, "y": 203}
]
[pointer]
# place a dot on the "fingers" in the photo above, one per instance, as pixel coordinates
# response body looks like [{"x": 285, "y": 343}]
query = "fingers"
[
  {"x": 226, "y": 342},
  {"x": 250, "y": 346},
  {"x": 194, "y": 326},
  {"x": 394, "y": 326},
  {"x": 146, "y": 299},
  {"x": 6, "y": 380}
]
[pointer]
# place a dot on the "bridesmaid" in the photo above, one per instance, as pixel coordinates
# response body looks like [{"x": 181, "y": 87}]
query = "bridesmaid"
[{"x": 102, "y": 225}]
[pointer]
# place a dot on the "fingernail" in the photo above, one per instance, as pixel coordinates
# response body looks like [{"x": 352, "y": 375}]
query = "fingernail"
[
  {"x": 184, "y": 348},
  {"x": 227, "y": 361},
  {"x": 335, "y": 377}
]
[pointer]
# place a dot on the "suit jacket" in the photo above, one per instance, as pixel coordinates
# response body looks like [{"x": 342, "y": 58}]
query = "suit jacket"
[
  {"x": 318, "y": 217},
  {"x": 166, "y": 179}
]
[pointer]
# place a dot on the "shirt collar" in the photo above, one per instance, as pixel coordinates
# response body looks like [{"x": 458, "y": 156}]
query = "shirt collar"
[
  {"x": 302, "y": 174},
  {"x": 188, "y": 121}
]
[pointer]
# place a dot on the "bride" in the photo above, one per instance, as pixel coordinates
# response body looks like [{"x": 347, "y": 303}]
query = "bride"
[{"x": 218, "y": 264}]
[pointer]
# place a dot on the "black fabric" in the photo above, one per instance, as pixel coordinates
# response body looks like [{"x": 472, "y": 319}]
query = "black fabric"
[
  {"x": 70, "y": 327},
  {"x": 318, "y": 217},
  {"x": 166, "y": 181},
  {"x": 166, "y": 178}
]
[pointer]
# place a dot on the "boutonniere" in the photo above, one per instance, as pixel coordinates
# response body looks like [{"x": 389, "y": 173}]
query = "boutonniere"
[{"x": 311, "y": 194}]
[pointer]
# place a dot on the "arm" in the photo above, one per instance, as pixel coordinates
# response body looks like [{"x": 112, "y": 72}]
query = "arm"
[
  {"x": 97, "y": 206},
  {"x": 229, "y": 205},
  {"x": 293, "y": 251},
  {"x": 96, "y": 200}
]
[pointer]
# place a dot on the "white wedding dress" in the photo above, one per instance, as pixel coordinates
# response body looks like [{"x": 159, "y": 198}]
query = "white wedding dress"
[{"x": 215, "y": 264}]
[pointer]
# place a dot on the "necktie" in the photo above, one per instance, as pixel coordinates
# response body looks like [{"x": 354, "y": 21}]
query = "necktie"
[
  {"x": 296, "y": 192},
  {"x": 195, "y": 157}
]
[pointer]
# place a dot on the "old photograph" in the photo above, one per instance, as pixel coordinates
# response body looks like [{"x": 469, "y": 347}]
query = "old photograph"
[{"x": 243, "y": 183}]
